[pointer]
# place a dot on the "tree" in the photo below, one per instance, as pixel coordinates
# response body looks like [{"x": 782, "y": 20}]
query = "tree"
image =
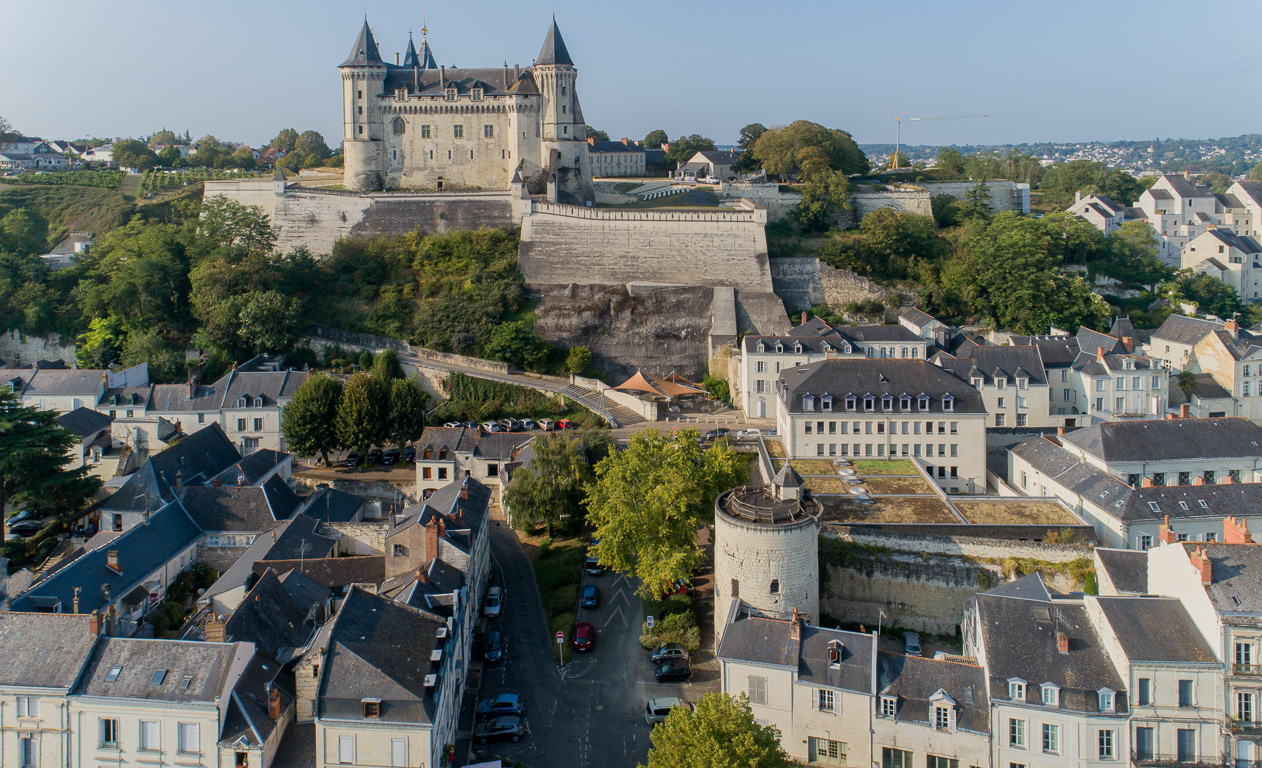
[
  {"x": 1060, "y": 183},
  {"x": 516, "y": 342},
  {"x": 596, "y": 134},
  {"x": 748, "y": 137},
  {"x": 1216, "y": 181},
  {"x": 720, "y": 733},
  {"x": 577, "y": 359},
  {"x": 362, "y": 415},
  {"x": 826, "y": 192},
  {"x": 1133, "y": 256},
  {"x": 35, "y": 452},
  {"x": 309, "y": 419},
  {"x": 950, "y": 159},
  {"x": 778, "y": 149},
  {"x": 169, "y": 156},
  {"x": 270, "y": 322},
  {"x": 655, "y": 139},
  {"x": 1186, "y": 382},
  {"x": 164, "y": 137},
  {"x": 385, "y": 365},
  {"x": 1208, "y": 294},
  {"x": 407, "y": 411},
  {"x": 209, "y": 152},
  {"x": 285, "y": 140},
  {"x": 131, "y": 153},
  {"x": 649, "y": 500},
  {"x": 244, "y": 158},
  {"x": 549, "y": 490},
  {"x": 22, "y": 232},
  {"x": 682, "y": 149},
  {"x": 312, "y": 143},
  {"x": 1255, "y": 174}
]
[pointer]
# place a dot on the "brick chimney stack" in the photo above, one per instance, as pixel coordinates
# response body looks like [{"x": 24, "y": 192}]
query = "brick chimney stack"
[
  {"x": 1185, "y": 411},
  {"x": 1236, "y": 531},
  {"x": 431, "y": 540},
  {"x": 1198, "y": 481},
  {"x": 1164, "y": 534},
  {"x": 591, "y": 140},
  {"x": 273, "y": 702},
  {"x": 1147, "y": 483},
  {"x": 1099, "y": 354},
  {"x": 1060, "y": 431},
  {"x": 804, "y": 317},
  {"x": 1062, "y": 642},
  {"x": 1232, "y": 327},
  {"x": 795, "y": 629},
  {"x": 94, "y": 623},
  {"x": 111, "y": 561},
  {"x": 1129, "y": 343},
  {"x": 1200, "y": 561}
]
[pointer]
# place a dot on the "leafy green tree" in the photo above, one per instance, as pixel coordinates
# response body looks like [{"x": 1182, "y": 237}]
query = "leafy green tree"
[
  {"x": 682, "y": 149},
  {"x": 312, "y": 161},
  {"x": 1186, "y": 382},
  {"x": 1217, "y": 182},
  {"x": 166, "y": 363},
  {"x": 748, "y": 137},
  {"x": 516, "y": 342},
  {"x": 1133, "y": 256},
  {"x": 285, "y": 140},
  {"x": 270, "y": 322},
  {"x": 577, "y": 359},
  {"x": 362, "y": 416},
  {"x": 22, "y": 233},
  {"x": 649, "y": 500},
  {"x": 131, "y": 153},
  {"x": 946, "y": 211},
  {"x": 1255, "y": 173},
  {"x": 825, "y": 193},
  {"x": 308, "y": 422},
  {"x": 655, "y": 139},
  {"x": 385, "y": 365},
  {"x": 209, "y": 152},
  {"x": 292, "y": 162},
  {"x": 100, "y": 345},
  {"x": 139, "y": 272},
  {"x": 407, "y": 411},
  {"x": 1061, "y": 182},
  {"x": 169, "y": 156},
  {"x": 1208, "y": 294},
  {"x": 311, "y": 143},
  {"x": 549, "y": 490},
  {"x": 164, "y": 137},
  {"x": 720, "y": 733},
  {"x": 950, "y": 159},
  {"x": 244, "y": 158},
  {"x": 35, "y": 454},
  {"x": 779, "y": 149},
  {"x": 597, "y": 134}
]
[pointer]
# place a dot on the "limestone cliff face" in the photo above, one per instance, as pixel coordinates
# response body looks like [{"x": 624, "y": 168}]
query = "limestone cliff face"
[{"x": 658, "y": 329}]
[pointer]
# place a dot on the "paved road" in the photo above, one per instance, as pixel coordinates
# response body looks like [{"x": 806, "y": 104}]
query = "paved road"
[{"x": 591, "y": 714}]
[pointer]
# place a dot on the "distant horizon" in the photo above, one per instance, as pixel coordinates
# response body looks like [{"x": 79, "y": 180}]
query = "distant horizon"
[{"x": 246, "y": 70}]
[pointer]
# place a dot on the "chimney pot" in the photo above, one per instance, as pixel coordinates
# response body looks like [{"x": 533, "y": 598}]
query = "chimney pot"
[
  {"x": 1185, "y": 411},
  {"x": 111, "y": 561},
  {"x": 94, "y": 623},
  {"x": 1236, "y": 531},
  {"x": 1164, "y": 534},
  {"x": 1129, "y": 343},
  {"x": 803, "y": 317},
  {"x": 1062, "y": 642}
]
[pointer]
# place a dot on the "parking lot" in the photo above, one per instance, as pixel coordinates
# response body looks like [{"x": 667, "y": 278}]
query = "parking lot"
[{"x": 591, "y": 713}]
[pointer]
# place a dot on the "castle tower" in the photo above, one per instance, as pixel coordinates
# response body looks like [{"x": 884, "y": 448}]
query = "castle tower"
[
  {"x": 363, "y": 75},
  {"x": 766, "y": 545},
  {"x": 563, "y": 149}
]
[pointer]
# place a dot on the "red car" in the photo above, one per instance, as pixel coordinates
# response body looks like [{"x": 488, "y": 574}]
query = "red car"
[
  {"x": 565, "y": 424},
  {"x": 584, "y": 636}
]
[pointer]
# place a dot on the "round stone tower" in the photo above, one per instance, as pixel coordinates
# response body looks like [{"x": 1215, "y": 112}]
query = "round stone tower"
[{"x": 766, "y": 545}]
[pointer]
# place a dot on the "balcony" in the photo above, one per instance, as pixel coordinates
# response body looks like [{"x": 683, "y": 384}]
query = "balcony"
[
  {"x": 1244, "y": 727},
  {"x": 1246, "y": 670},
  {"x": 1155, "y": 760}
]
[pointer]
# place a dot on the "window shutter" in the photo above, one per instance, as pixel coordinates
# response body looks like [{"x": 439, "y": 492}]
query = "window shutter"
[
  {"x": 815, "y": 699},
  {"x": 398, "y": 753}
]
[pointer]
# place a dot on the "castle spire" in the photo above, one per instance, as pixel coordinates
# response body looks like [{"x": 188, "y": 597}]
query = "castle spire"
[
  {"x": 554, "y": 51},
  {"x": 365, "y": 53},
  {"x": 424, "y": 58}
]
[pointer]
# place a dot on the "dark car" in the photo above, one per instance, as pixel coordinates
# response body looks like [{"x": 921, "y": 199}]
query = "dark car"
[
  {"x": 584, "y": 636},
  {"x": 501, "y": 729},
  {"x": 715, "y": 434},
  {"x": 409, "y": 454},
  {"x": 374, "y": 456},
  {"x": 390, "y": 457},
  {"x": 494, "y": 651},
  {"x": 590, "y": 597},
  {"x": 23, "y": 516},
  {"x": 509, "y": 425},
  {"x": 353, "y": 459},
  {"x": 669, "y": 652},
  {"x": 593, "y": 567},
  {"x": 26, "y": 527},
  {"x": 673, "y": 671},
  {"x": 496, "y": 706}
]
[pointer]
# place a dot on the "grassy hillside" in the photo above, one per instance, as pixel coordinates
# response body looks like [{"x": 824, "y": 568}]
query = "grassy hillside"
[{"x": 68, "y": 209}]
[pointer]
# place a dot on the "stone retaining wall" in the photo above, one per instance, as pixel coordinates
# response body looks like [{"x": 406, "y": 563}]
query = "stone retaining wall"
[{"x": 17, "y": 350}]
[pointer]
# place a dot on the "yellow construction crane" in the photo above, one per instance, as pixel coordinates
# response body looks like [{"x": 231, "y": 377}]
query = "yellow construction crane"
[{"x": 909, "y": 117}]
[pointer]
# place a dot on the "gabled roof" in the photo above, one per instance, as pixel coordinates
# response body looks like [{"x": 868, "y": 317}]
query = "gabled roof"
[
  {"x": 1029, "y": 587},
  {"x": 1089, "y": 341},
  {"x": 1230, "y": 239},
  {"x": 329, "y": 505},
  {"x": 1235, "y": 576},
  {"x": 43, "y": 650},
  {"x": 554, "y": 50},
  {"x": 860, "y": 377},
  {"x": 364, "y": 53},
  {"x": 994, "y": 362},
  {"x": 914, "y": 682},
  {"x": 271, "y": 618},
  {"x": 195, "y": 672},
  {"x": 240, "y": 508},
  {"x": 1126, "y": 568},
  {"x": 1156, "y": 629},
  {"x": 1185, "y": 330},
  {"x": 85, "y": 422},
  {"x": 1168, "y": 439},
  {"x": 247, "y": 722},
  {"x": 193, "y": 460},
  {"x": 333, "y": 572},
  {"x": 720, "y": 157},
  {"x": 252, "y": 468}
]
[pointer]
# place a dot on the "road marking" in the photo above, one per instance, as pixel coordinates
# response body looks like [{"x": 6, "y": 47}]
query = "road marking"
[
  {"x": 617, "y": 612},
  {"x": 620, "y": 594}
]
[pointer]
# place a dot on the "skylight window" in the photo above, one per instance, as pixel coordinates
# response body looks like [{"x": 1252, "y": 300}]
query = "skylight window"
[
  {"x": 1204, "y": 504},
  {"x": 113, "y": 674},
  {"x": 158, "y": 676}
]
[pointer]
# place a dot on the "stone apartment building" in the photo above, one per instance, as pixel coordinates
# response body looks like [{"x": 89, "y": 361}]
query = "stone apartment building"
[
  {"x": 1178, "y": 211},
  {"x": 448, "y": 454},
  {"x": 1102, "y": 212},
  {"x": 877, "y": 409},
  {"x": 1012, "y": 381},
  {"x": 1225, "y": 359},
  {"x": 1226, "y": 256},
  {"x": 930, "y": 712},
  {"x": 616, "y": 158}
]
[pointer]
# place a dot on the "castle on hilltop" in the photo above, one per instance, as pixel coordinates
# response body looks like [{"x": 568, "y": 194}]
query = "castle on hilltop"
[{"x": 417, "y": 125}]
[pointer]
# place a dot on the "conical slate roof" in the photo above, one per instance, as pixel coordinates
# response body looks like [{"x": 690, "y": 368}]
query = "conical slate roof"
[
  {"x": 554, "y": 51},
  {"x": 788, "y": 477},
  {"x": 422, "y": 60},
  {"x": 365, "y": 52}
]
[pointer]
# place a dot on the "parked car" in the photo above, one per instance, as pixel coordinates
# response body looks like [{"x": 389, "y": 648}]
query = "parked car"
[
  {"x": 584, "y": 636},
  {"x": 590, "y": 597},
  {"x": 493, "y": 653},
  {"x": 353, "y": 459},
  {"x": 494, "y": 603},
  {"x": 26, "y": 528},
  {"x": 911, "y": 643},
  {"x": 669, "y": 652},
  {"x": 715, "y": 434},
  {"x": 593, "y": 567},
  {"x": 23, "y": 516},
  {"x": 374, "y": 456},
  {"x": 409, "y": 454},
  {"x": 491, "y": 426},
  {"x": 452, "y": 424},
  {"x": 390, "y": 457},
  {"x": 659, "y": 707},
  {"x": 469, "y": 424},
  {"x": 501, "y": 729},
  {"x": 749, "y": 433},
  {"x": 508, "y": 425},
  {"x": 527, "y": 425},
  {"x": 498, "y": 706},
  {"x": 676, "y": 671},
  {"x": 546, "y": 425},
  {"x": 565, "y": 424}
]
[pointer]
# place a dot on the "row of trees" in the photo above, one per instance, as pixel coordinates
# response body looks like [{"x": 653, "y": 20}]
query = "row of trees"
[{"x": 303, "y": 150}]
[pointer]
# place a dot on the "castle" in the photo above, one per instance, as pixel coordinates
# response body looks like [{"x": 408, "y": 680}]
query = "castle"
[{"x": 420, "y": 126}]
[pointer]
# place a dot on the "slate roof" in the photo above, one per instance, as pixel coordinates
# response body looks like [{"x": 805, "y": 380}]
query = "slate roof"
[
  {"x": 1089, "y": 341},
  {"x": 422, "y": 60},
  {"x": 240, "y": 508},
  {"x": 329, "y": 505},
  {"x": 1054, "y": 351},
  {"x": 205, "y": 667},
  {"x": 259, "y": 378},
  {"x": 992, "y": 363},
  {"x": 1020, "y": 641},
  {"x": 183, "y": 398},
  {"x": 43, "y": 650},
  {"x": 769, "y": 641},
  {"x": 333, "y": 572},
  {"x": 190, "y": 461},
  {"x": 1156, "y": 629},
  {"x": 1168, "y": 439},
  {"x": 364, "y": 52},
  {"x": 613, "y": 146},
  {"x": 554, "y": 50},
  {"x": 719, "y": 157},
  {"x": 1252, "y": 189},
  {"x": 141, "y": 551},
  {"x": 1126, "y": 568},
  {"x": 379, "y": 649},
  {"x": 460, "y": 513},
  {"x": 1232, "y": 240},
  {"x": 916, "y": 316},
  {"x": 85, "y": 422},
  {"x": 49, "y": 382},
  {"x": 1029, "y": 587},
  {"x": 298, "y": 749},
  {"x": 299, "y": 540},
  {"x": 250, "y": 469},
  {"x": 271, "y": 618},
  {"x": 860, "y": 377},
  {"x": 247, "y": 721},
  {"x": 914, "y": 680},
  {"x": 788, "y": 476},
  {"x": 1236, "y": 576},
  {"x": 1185, "y": 330},
  {"x": 459, "y": 439},
  {"x": 759, "y": 640}
]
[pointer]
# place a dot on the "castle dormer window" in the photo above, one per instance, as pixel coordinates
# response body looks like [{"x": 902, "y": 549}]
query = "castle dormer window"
[
  {"x": 826, "y": 402},
  {"x": 850, "y": 402},
  {"x": 849, "y": 349},
  {"x": 948, "y": 403},
  {"x": 397, "y": 126},
  {"x": 904, "y": 403},
  {"x": 240, "y": 402},
  {"x": 477, "y": 94},
  {"x": 887, "y": 403},
  {"x": 922, "y": 403},
  {"x": 889, "y": 706},
  {"x": 834, "y": 653},
  {"x": 808, "y": 402},
  {"x": 779, "y": 347},
  {"x": 449, "y": 94},
  {"x": 869, "y": 403}
]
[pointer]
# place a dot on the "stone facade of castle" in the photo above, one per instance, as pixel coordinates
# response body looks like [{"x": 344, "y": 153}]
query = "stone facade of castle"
[{"x": 419, "y": 126}]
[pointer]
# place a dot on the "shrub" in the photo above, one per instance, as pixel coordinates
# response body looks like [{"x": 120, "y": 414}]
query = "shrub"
[
  {"x": 675, "y": 628},
  {"x": 563, "y": 599}
]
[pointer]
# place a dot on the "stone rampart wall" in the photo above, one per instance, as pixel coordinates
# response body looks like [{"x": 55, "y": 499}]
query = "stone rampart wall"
[
  {"x": 958, "y": 545},
  {"x": 1004, "y": 195},
  {"x": 913, "y": 201},
  {"x": 921, "y": 596},
  {"x": 17, "y": 350}
]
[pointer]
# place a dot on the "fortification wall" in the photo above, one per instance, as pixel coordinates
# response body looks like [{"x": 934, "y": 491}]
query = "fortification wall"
[
  {"x": 921, "y": 596},
  {"x": 914, "y": 201},
  {"x": 319, "y": 218},
  {"x": 562, "y": 245},
  {"x": 17, "y": 350},
  {"x": 1004, "y": 195}
]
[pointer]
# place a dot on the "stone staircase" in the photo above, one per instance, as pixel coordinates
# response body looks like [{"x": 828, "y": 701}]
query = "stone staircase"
[{"x": 619, "y": 415}]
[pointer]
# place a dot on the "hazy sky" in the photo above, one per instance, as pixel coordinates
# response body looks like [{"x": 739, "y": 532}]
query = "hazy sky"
[{"x": 1067, "y": 70}]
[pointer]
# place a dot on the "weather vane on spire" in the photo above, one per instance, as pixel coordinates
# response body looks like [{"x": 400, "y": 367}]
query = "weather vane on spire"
[{"x": 424, "y": 27}]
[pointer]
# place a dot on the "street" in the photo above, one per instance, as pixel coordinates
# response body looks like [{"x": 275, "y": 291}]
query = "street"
[{"x": 591, "y": 713}]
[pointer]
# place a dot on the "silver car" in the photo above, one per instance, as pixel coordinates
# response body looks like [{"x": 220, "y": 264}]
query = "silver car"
[{"x": 659, "y": 707}]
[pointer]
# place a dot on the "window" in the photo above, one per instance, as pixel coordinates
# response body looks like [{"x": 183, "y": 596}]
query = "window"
[
  {"x": 1133, "y": 481},
  {"x": 397, "y": 126},
  {"x": 760, "y": 366},
  {"x": 398, "y": 753},
  {"x": 1105, "y": 701},
  {"x": 1244, "y": 656},
  {"x": 488, "y": 131},
  {"x": 889, "y": 706},
  {"x": 1158, "y": 478},
  {"x": 757, "y": 689},
  {"x": 922, "y": 403},
  {"x": 458, "y": 131},
  {"x": 941, "y": 718},
  {"x": 258, "y": 425},
  {"x": 240, "y": 425},
  {"x": 775, "y": 586},
  {"x": 149, "y": 736},
  {"x": 1016, "y": 733},
  {"x": 825, "y": 700},
  {"x": 28, "y": 706},
  {"x": 477, "y": 94},
  {"x": 736, "y": 588},
  {"x": 1185, "y": 478},
  {"x": 400, "y": 550},
  {"x": 826, "y": 751},
  {"x": 1051, "y": 738},
  {"x": 1185, "y": 743},
  {"x": 26, "y": 752},
  {"x": 1244, "y": 706},
  {"x": 346, "y": 749},
  {"x": 108, "y": 730},
  {"x": 113, "y": 674},
  {"x": 372, "y": 707},
  {"x": 1000, "y": 419},
  {"x": 1144, "y": 541},
  {"x": 895, "y": 758},
  {"x": 1105, "y": 740},
  {"x": 449, "y": 94},
  {"x": 1021, "y": 419},
  {"x": 934, "y": 761},
  {"x": 442, "y": 473},
  {"x": 188, "y": 742},
  {"x": 1144, "y": 695},
  {"x": 1185, "y": 693},
  {"x": 425, "y": 135},
  {"x": 869, "y": 403}
]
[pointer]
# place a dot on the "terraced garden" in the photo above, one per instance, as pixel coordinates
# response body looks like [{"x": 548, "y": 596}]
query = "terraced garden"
[
  {"x": 898, "y": 485},
  {"x": 1015, "y": 513},
  {"x": 888, "y": 509}
]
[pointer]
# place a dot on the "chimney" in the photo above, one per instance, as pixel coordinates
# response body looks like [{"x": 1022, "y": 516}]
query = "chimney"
[
  {"x": 1062, "y": 642},
  {"x": 1232, "y": 327},
  {"x": 76, "y": 599},
  {"x": 795, "y": 629},
  {"x": 1170, "y": 417},
  {"x": 421, "y": 576},
  {"x": 1198, "y": 480},
  {"x": 1147, "y": 483},
  {"x": 192, "y": 388},
  {"x": 1078, "y": 196},
  {"x": 1185, "y": 411},
  {"x": 1099, "y": 354},
  {"x": 1227, "y": 480},
  {"x": 94, "y": 623},
  {"x": 1200, "y": 561},
  {"x": 273, "y": 702},
  {"x": 626, "y": 142},
  {"x": 396, "y": 63},
  {"x": 464, "y": 491},
  {"x": 216, "y": 482},
  {"x": 1060, "y": 431},
  {"x": 591, "y": 140},
  {"x": 1236, "y": 531},
  {"x": 431, "y": 540},
  {"x": 1164, "y": 534},
  {"x": 214, "y": 629},
  {"x": 111, "y": 561},
  {"x": 804, "y": 317},
  {"x": 1129, "y": 343}
]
